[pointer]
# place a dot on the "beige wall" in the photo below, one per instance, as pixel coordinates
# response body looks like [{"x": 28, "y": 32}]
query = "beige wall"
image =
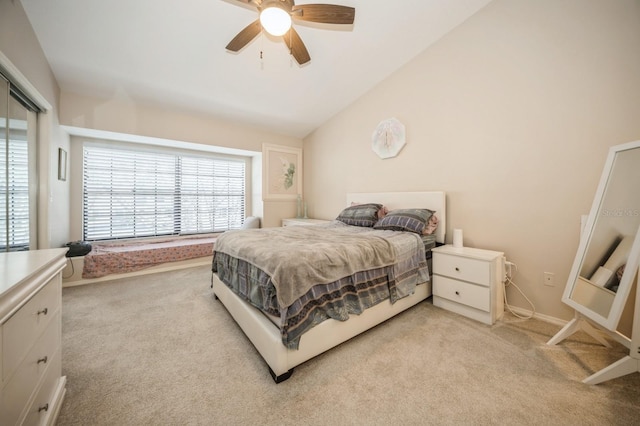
[
  {"x": 511, "y": 114},
  {"x": 19, "y": 44},
  {"x": 121, "y": 114}
]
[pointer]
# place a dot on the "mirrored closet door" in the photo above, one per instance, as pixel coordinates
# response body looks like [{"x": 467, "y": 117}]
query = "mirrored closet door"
[{"x": 18, "y": 171}]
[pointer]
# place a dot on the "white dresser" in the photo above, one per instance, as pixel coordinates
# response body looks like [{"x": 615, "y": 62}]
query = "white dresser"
[
  {"x": 469, "y": 281},
  {"x": 30, "y": 334},
  {"x": 303, "y": 222}
]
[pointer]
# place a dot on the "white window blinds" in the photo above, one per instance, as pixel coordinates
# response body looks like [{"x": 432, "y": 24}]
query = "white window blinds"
[
  {"x": 14, "y": 192},
  {"x": 131, "y": 193}
]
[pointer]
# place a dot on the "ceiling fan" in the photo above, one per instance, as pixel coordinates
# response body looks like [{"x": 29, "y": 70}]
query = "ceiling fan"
[{"x": 280, "y": 13}]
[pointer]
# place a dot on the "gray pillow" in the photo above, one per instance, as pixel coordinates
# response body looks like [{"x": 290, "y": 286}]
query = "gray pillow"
[
  {"x": 360, "y": 215},
  {"x": 409, "y": 220}
]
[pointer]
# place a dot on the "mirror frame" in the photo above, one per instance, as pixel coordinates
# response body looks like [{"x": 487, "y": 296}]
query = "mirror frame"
[{"x": 611, "y": 321}]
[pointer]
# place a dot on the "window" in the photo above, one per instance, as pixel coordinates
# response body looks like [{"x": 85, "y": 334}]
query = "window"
[
  {"x": 136, "y": 192},
  {"x": 17, "y": 153}
]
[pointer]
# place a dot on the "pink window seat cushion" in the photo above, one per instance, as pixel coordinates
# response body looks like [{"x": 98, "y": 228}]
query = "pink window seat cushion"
[{"x": 118, "y": 258}]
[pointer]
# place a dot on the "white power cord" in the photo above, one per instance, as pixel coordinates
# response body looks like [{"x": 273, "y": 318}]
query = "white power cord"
[
  {"x": 73, "y": 271},
  {"x": 508, "y": 281}
]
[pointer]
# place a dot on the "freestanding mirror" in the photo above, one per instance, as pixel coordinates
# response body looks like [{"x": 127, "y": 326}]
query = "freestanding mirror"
[{"x": 606, "y": 263}]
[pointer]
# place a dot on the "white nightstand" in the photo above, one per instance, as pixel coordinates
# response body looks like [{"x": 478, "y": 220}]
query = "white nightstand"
[
  {"x": 303, "y": 222},
  {"x": 469, "y": 281}
]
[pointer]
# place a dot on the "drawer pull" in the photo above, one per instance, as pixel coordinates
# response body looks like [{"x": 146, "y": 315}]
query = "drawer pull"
[
  {"x": 457, "y": 269},
  {"x": 457, "y": 293},
  {"x": 44, "y": 407},
  {"x": 43, "y": 312},
  {"x": 44, "y": 360}
]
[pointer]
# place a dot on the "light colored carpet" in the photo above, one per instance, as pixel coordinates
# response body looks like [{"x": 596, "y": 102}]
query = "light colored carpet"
[{"x": 159, "y": 350}]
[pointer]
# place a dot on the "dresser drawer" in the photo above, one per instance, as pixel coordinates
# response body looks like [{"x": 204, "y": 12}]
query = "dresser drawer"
[
  {"x": 24, "y": 327},
  {"x": 30, "y": 371},
  {"x": 475, "y": 296},
  {"x": 42, "y": 408},
  {"x": 462, "y": 268}
]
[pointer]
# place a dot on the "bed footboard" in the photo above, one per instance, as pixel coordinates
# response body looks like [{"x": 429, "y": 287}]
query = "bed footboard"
[{"x": 265, "y": 336}]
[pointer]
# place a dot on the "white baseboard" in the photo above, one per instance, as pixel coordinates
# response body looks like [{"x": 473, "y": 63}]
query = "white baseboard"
[{"x": 542, "y": 317}]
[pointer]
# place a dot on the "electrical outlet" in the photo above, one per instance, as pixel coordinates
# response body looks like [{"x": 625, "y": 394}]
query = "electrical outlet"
[{"x": 550, "y": 279}]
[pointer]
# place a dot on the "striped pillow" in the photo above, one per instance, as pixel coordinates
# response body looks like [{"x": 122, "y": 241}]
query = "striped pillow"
[
  {"x": 410, "y": 220},
  {"x": 360, "y": 215}
]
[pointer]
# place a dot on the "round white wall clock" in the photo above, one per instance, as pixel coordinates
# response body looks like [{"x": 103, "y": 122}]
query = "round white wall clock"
[{"x": 388, "y": 138}]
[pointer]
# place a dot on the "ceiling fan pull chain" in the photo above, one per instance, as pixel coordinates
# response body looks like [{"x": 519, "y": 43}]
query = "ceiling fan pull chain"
[
  {"x": 261, "y": 50},
  {"x": 290, "y": 49}
]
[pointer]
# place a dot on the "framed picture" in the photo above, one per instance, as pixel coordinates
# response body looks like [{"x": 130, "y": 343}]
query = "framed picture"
[
  {"x": 282, "y": 172},
  {"x": 62, "y": 164}
]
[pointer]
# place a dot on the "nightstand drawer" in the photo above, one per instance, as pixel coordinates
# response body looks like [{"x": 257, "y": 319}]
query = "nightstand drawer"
[
  {"x": 462, "y": 268},
  {"x": 464, "y": 293}
]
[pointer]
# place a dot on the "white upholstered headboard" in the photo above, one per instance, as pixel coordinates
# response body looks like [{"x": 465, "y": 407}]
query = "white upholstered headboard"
[{"x": 433, "y": 200}]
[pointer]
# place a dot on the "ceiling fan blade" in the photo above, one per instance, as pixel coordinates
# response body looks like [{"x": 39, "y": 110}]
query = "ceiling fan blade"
[
  {"x": 324, "y": 13},
  {"x": 253, "y": 2},
  {"x": 245, "y": 36},
  {"x": 296, "y": 46}
]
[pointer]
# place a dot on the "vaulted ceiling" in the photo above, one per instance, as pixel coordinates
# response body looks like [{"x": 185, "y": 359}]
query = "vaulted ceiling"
[{"x": 172, "y": 53}]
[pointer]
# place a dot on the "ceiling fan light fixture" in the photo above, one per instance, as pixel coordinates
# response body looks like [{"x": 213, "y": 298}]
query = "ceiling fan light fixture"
[
  {"x": 279, "y": 13},
  {"x": 275, "y": 20}
]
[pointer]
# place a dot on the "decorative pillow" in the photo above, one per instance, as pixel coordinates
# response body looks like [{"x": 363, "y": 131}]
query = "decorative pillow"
[
  {"x": 381, "y": 213},
  {"x": 432, "y": 225},
  {"x": 360, "y": 215},
  {"x": 410, "y": 220}
]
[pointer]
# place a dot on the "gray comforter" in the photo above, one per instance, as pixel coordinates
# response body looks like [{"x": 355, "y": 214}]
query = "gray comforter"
[{"x": 309, "y": 255}]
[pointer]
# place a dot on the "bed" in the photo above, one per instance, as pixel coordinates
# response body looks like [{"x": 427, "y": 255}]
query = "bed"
[{"x": 265, "y": 328}]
